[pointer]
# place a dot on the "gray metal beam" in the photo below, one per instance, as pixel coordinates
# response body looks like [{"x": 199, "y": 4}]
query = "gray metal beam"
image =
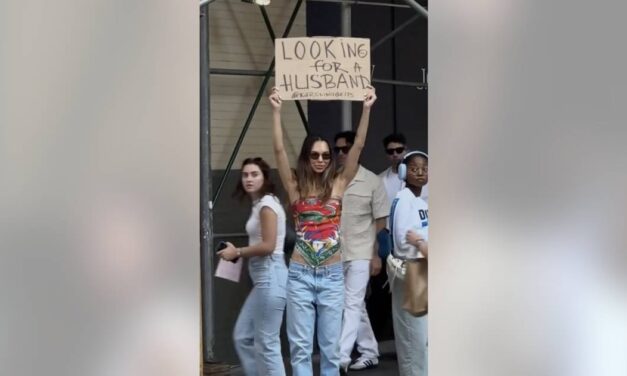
[
  {"x": 417, "y": 7},
  {"x": 347, "y": 106},
  {"x": 357, "y": 2},
  {"x": 393, "y": 33}
]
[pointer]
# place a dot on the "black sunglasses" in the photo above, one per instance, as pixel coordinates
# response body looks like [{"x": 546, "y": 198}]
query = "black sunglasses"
[
  {"x": 315, "y": 156},
  {"x": 391, "y": 151},
  {"x": 343, "y": 149}
]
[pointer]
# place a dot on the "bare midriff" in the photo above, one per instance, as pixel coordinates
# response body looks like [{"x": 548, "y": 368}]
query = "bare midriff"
[{"x": 331, "y": 260}]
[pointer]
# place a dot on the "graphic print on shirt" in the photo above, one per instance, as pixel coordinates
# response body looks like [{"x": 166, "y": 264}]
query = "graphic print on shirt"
[
  {"x": 424, "y": 217},
  {"x": 317, "y": 229}
]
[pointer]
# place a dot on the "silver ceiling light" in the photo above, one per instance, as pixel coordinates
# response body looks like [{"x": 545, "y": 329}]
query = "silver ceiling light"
[{"x": 258, "y": 2}]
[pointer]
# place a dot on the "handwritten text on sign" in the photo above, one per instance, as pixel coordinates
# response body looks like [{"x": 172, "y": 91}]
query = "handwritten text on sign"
[{"x": 322, "y": 68}]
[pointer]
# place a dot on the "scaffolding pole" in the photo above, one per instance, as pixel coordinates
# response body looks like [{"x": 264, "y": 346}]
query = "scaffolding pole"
[
  {"x": 418, "y": 8},
  {"x": 347, "y": 106},
  {"x": 357, "y": 2},
  {"x": 206, "y": 225},
  {"x": 393, "y": 33}
]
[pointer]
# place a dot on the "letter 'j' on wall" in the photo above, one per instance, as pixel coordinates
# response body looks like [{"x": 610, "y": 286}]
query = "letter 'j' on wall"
[{"x": 322, "y": 68}]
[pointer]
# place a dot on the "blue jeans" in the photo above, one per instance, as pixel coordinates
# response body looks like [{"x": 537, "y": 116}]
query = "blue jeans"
[
  {"x": 315, "y": 296},
  {"x": 257, "y": 330}
]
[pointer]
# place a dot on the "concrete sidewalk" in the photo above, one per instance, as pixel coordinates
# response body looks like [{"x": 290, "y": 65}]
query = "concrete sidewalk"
[{"x": 387, "y": 365}]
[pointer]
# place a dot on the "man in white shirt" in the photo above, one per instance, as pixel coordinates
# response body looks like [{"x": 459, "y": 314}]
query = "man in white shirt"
[
  {"x": 365, "y": 208},
  {"x": 395, "y": 146}
]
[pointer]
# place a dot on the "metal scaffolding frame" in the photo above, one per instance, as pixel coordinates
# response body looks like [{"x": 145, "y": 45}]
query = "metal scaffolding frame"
[
  {"x": 206, "y": 218},
  {"x": 208, "y": 202},
  {"x": 262, "y": 88}
]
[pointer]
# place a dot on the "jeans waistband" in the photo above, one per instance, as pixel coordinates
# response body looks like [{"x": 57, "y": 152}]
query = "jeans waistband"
[
  {"x": 322, "y": 270},
  {"x": 277, "y": 257},
  {"x": 270, "y": 258}
]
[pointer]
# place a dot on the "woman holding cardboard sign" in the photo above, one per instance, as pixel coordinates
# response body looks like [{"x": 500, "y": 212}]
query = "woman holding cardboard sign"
[{"x": 315, "y": 285}]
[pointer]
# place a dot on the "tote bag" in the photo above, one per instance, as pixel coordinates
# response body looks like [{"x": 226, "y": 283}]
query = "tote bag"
[{"x": 416, "y": 296}]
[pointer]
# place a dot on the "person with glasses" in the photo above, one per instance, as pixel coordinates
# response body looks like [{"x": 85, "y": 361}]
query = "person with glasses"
[
  {"x": 379, "y": 302},
  {"x": 366, "y": 208},
  {"x": 409, "y": 224},
  {"x": 394, "y": 145},
  {"x": 315, "y": 283}
]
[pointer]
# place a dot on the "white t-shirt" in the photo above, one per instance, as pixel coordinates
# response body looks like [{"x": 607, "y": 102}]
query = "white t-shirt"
[
  {"x": 253, "y": 225},
  {"x": 410, "y": 213},
  {"x": 391, "y": 182},
  {"x": 424, "y": 193}
]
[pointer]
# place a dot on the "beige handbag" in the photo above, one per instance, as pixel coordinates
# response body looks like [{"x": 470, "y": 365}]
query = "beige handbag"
[{"x": 415, "y": 300}]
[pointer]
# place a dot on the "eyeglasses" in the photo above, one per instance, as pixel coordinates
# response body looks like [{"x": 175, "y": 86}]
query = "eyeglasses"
[
  {"x": 418, "y": 170},
  {"x": 316, "y": 156},
  {"x": 343, "y": 149},
  {"x": 391, "y": 151}
]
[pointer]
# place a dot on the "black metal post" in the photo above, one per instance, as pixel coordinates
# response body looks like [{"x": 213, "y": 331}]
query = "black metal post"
[
  {"x": 399, "y": 83},
  {"x": 206, "y": 233},
  {"x": 266, "y": 19},
  {"x": 238, "y": 72}
]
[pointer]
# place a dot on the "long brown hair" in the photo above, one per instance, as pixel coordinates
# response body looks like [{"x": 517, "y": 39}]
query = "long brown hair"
[
  {"x": 307, "y": 179},
  {"x": 268, "y": 185}
]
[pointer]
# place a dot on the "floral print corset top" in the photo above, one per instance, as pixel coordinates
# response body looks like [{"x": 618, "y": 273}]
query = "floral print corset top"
[{"x": 317, "y": 228}]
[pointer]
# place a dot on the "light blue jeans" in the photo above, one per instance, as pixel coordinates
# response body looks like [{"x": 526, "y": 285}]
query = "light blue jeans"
[
  {"x": 315, "y": 296},
  {"x": 257, "y": 330},
  {"x": 410, "y": 335}
]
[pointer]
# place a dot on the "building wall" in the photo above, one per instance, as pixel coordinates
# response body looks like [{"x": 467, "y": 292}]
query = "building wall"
[{"x": 398, "y": 108}]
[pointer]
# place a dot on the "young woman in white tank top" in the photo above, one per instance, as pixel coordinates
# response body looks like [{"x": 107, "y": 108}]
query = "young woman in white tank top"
[{"x": 256, "y": 334}]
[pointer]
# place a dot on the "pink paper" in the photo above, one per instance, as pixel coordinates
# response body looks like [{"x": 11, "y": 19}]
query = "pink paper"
[{"x": 229, "y": 270}]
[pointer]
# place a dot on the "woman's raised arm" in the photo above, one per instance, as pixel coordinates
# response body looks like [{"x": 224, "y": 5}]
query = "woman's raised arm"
[
  {"x": 352, "y": 159},
  {"x": 280, "y": 155}
]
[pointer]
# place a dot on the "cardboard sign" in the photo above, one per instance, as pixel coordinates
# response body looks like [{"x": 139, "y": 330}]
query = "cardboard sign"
[{"x": 322, "y": 68}]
